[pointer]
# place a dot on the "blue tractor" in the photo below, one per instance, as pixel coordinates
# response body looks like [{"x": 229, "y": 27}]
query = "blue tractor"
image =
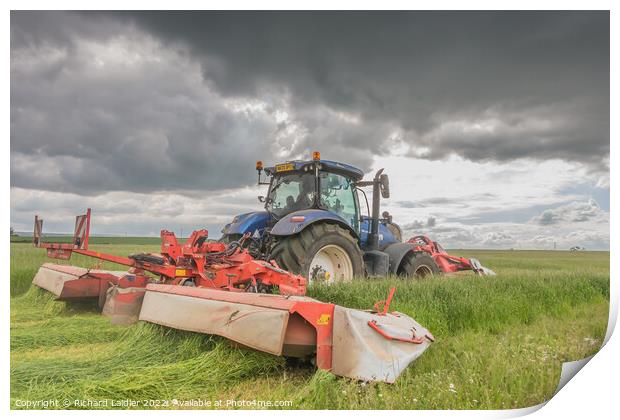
[{"x": 313, "y": 225}]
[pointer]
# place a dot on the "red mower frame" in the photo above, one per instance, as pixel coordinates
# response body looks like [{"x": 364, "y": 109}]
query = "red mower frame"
[
  {"x": 197, "y": 262},
  {"x": 447, "y": 263}
]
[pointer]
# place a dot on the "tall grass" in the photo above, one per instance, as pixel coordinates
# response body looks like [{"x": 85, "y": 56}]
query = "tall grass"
[
  {"x": 449, "y": 305},
  {"x": 500, "y": 341}
]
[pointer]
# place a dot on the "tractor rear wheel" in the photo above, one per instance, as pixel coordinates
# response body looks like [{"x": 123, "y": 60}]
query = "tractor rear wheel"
[
  {"x": 322, "y": 252},
  {"x": 418, "y": 265}
]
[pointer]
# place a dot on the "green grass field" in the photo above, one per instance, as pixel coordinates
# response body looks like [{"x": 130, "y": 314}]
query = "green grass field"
[{"x": 500, "y": 341}]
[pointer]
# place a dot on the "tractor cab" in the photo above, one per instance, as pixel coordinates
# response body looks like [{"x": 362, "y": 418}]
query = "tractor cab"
[
  {"x": 313, "y": 224},
  {"x": 302, "y": 192},
  {"x": 316, "y": 184}
]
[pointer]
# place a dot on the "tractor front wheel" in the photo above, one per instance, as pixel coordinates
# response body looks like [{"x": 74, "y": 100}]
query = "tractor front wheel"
[
  {"x": 322, "y": 252},
  {"x": 418, "y": 265}
]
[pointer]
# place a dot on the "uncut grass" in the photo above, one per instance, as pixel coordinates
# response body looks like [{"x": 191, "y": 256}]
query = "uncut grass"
[
  {"x": 448, "y": 305},
  {"x": 500, "y": 342}
]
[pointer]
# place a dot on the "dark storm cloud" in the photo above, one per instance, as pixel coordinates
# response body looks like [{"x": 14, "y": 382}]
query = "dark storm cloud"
[
  {"x": 90, "y": 115},
  {"x": 485, "y": 86},
  {"x": 189, "y": 100}
]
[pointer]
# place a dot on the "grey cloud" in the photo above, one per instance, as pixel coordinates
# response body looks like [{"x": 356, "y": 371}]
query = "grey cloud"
[
  {"x": 482, "y": 85},
  {"x": 132, "y": 213},
  {"x": 581, "y": 238},
  {"x": 575, "y": 212},
  {"x": 30, "y": 28},
  {"x": 408, "y": 204},
  {"x": 496, "y": 239},
  {"x": 150, "y": 101},
  {"x": 431, "y": 223},
  {"x": 433, "y": 201},
  {"x": 543, "y": 132},
  {"x": 543, "y": 240},
  {"x": 547, "y": 217},
  {"x": 126, "y": 115},
  {"x": 461, "y": 201},
  {"x": 164, "y": 114},
  {"x": 415, "y": 225}
]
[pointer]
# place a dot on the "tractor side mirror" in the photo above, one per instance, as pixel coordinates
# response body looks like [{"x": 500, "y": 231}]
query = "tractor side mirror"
[{"x": 384, "y": 184}]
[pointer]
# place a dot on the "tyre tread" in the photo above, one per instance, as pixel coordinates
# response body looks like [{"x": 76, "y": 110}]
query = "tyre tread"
[{"x": 291, "y": 252}]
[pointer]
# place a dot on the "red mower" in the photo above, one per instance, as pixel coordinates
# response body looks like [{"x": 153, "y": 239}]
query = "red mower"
[{"x": 219, "y": 288}]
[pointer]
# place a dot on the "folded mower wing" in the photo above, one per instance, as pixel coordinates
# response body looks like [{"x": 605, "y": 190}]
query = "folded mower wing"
[{"x": 62, "y": 250}]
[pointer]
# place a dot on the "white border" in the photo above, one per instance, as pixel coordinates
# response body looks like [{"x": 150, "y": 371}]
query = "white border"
[{"x": 593, "y": 394}]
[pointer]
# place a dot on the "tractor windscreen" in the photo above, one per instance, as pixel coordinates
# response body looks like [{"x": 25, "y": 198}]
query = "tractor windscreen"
[{"x": 291, "y": 192}]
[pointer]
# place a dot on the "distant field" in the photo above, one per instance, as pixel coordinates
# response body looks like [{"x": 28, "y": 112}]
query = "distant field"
[{"x": 500, "y": 340}]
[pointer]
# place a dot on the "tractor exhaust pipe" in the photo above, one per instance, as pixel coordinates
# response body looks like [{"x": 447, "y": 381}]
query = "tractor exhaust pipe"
[{"x": 373, "y": 240}]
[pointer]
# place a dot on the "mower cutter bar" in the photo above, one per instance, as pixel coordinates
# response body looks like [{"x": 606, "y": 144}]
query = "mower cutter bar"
[
  {"x": 216, "y": 288},
  {"x": 344, "y": 340}
]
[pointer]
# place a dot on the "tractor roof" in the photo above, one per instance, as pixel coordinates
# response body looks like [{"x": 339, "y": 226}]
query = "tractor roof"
[{"x": 326, "y": 165}]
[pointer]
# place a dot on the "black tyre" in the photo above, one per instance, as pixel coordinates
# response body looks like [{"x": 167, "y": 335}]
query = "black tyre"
[
  {"x": 418, "y": 265},
  {"x": 322, "y": 252}
]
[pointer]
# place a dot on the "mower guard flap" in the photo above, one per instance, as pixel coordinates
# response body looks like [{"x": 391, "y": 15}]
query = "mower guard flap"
[
  {"x": 73, "y": 283},
  {"x": 261, "y": 328},
  {"x": 53, "y": 278},
  {"x": 294, "y": 326},
  {"x": 360, "y": 352}
]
